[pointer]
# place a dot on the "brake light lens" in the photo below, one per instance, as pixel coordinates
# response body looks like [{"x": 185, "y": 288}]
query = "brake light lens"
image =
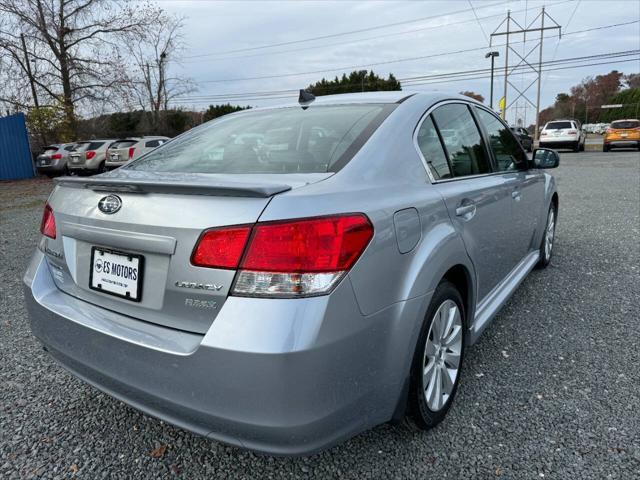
[
  {"x": 131, "y": 152},
  {"x": 285, "y": 259},
  {"x": 221, "y": 247},
  {"x": 48, "y": 224},
  {"x": 572, "y": 132},
  {"x": 91, "y": 154},
  {"x": 56, "y": 156}
]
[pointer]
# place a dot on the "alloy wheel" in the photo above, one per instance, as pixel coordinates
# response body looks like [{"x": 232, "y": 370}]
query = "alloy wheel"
[
  {"x": 549, "y": 234},
  {"x": 441, "y": 362}
]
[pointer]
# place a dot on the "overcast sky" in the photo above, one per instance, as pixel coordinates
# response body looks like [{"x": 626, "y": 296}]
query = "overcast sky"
[{"x": 423, "y": 29}]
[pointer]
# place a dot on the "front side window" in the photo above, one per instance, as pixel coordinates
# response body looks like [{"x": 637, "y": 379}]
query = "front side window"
[
  {"x": 462, "y": 140},
  {"x": 506, "y": 149},
  {"x": 431, "y": 148},
  {"x": 284, "y": 140}
]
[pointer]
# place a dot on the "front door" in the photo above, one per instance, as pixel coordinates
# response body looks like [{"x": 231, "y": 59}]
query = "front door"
[{"x": 478, "y": 202}]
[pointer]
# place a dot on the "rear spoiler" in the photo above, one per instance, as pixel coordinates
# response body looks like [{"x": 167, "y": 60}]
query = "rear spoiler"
[{"x": 190, "y": 186}]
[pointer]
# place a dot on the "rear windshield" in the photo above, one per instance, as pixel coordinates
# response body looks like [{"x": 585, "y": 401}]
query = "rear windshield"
[
  {"x": 558, "y": 125},
  {"x": 286, "y": 140},
  {"x": 123, "y": 144},
  {"x": 50, "y": 149},
  {"x": 84, "y": 146},
  {"x": 625, "y": 124}
]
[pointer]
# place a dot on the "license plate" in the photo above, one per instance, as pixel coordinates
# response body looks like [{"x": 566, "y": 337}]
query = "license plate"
[
  {"x": 557, "y": 134},
  {"x": 116, "y": 273},
  {"x": 115, "y": 157}
]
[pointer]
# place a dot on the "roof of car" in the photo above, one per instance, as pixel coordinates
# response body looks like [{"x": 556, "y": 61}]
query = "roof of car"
[{"x": 396, "y": 96}]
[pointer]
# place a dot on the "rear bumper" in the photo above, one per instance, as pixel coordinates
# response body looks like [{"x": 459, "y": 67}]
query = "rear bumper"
[
  {"x": 289, "y": 382},
  {"x": 622, "y": 143},
  {"x": 559, "y": 142}
]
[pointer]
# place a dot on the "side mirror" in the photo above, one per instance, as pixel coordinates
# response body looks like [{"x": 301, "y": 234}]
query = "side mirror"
[{"x": 545, "y": 158}]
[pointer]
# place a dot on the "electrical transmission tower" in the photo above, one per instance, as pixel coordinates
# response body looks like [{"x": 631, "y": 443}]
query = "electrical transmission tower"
[{"x": 513, "y": 28}]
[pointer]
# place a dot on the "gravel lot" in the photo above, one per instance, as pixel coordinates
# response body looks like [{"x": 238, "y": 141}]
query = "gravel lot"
[{"x": 551, "y": 390}]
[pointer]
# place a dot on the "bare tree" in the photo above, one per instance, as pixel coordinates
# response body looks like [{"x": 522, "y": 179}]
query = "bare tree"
[
  {"x": 73, "y": 46},
  {"x": 154, "y": 53}
]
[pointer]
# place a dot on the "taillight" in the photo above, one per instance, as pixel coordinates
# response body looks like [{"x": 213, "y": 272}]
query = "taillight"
[
  {"x": 572, "y": 132},
  {"x": 131, "y": 152},
  {"x": 292, "y": 258},
  {"x": 56, "y": 156},
  {"x": 90, "y": 154},
  {"x": 221, "y": 247},
  {"x": 48, "y": 224}
]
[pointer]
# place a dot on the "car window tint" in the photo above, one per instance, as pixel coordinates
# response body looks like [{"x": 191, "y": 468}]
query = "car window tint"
[
  {"x": 431, "y": 148},
  {"x": 123, "y": 144},
  {"x": 153, "y": 143},
  {"x": 283, "y": 140},
  {"x": 69, "y": 148},
  {"x": 462, "y": 140},
  {"x": 84, "y": 146},
  {"x": 622, "y": 124},
  {"x": 558, "y": 125},
  {"x": 504, "y": 144}
]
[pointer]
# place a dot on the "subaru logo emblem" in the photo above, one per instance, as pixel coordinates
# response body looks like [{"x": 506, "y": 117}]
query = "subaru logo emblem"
[{"x": 110, "y": 204}]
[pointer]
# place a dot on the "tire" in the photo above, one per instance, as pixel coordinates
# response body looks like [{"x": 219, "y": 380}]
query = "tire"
[
  {"x": 425, "y": 411},
  {"x": 576, "y": 147},
  {"x": 551, "y": 222},
  {"x": 102, "y": 168},
  {"x": 605, "y": 147},
  {"x": 581, "y": 147}
]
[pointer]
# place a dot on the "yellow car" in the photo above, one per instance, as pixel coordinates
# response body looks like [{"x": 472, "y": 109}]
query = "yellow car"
[{"x": 622, "y": 134}]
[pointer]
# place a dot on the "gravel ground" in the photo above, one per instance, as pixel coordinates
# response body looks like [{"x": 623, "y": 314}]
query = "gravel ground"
[{"x": 551, "y": 389}]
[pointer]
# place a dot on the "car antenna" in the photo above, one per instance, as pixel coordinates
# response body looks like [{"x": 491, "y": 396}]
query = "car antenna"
[{"x": 305, "y": 99}]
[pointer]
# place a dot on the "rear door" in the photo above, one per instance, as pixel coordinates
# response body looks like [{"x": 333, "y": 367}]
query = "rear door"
[
  {"x": 478, "y": 201},
  {"x": 526, "y": 185}
]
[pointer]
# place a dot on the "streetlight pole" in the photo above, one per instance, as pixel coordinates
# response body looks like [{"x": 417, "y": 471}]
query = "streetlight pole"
[{"x": 491, "y": 55}]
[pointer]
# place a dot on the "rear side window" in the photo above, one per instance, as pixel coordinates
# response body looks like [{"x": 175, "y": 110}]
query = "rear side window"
[
  {"x": 506, "y": 148},
  {"x": 431, "y": 149},
  {"x": 154, "y": 143},
  {"x": 123, "y": 144},
  {"x": 622, "y": 124},
  {"x": 50, "y": 149},
  {"x": 284, "y": 140},
  {"x": 462, "y": 140},
  {"x": 558, "y": 125},
  {"x": 84, "y": 146}
]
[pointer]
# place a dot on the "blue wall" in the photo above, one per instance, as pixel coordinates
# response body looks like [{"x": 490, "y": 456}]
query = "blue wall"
[{"x": 15, "y": 154}]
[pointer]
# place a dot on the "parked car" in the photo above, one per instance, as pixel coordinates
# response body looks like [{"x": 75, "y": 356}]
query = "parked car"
[
  {"x": 525, "y": 139},
  {"x": 622, "y": 134},
  {"x": 290, "y": 292},
  {"x": 125, "y": 150},
  {"x": 563, "y": 134},
  {"x": 53, "y": 159},
  {"x": 89, "y": 156}
]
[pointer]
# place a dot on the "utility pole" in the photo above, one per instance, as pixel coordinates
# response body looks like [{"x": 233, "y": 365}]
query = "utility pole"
[
  {"x": 33, "y": 87},
  {"x": 536, "y": 25},
  {"x": 491, "y": 55}
]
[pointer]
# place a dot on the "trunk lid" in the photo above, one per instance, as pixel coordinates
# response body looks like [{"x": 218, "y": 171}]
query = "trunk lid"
[{"x": 157, "y": 226}]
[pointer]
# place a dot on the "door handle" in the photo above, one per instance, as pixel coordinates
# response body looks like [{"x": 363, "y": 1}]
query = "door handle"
[{"x": 466, "y": 211}]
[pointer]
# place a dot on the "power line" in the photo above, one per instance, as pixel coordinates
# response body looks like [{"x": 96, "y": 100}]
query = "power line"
[
  {"x": 388, "y": 62},
  {"x": 427, "y": 79},
  {"x": 479, "y": 23},
  {"x": 351, "y": 32},
  {"x": 290, "y": 97},
  {"x": 358, "y": 40}
]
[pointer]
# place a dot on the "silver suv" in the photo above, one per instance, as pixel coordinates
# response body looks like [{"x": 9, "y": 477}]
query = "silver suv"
[
  {"x": 281, "y": 279},
  {"x": 125, "y": 150},
  {"x": 89, "y": 156},
  {"x": 53, "y": 159}
]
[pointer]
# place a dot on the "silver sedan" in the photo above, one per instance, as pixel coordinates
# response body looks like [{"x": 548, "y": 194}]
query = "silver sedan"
[{"x": 281, "y": 279}]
